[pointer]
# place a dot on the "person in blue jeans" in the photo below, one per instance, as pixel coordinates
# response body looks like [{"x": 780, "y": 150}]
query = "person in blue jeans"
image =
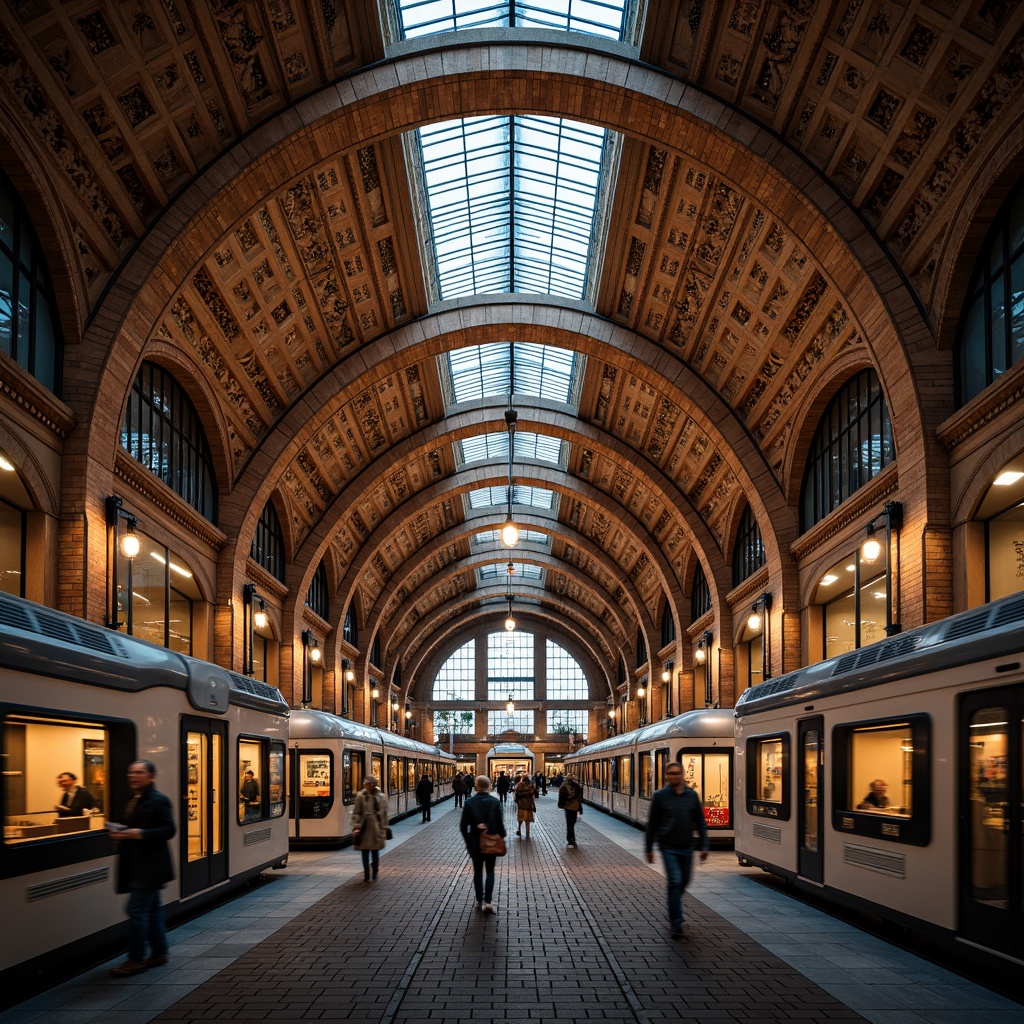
[{"x": 676, "y": 815}]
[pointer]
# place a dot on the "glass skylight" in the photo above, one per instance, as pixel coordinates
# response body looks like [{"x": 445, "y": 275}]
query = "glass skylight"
[
  {"x": 591, "y": 17},
  {"x": 541, "y": 371},
  {"x": 511, "y": 203},
  {"x": 488, "y": 497},
  {"x": 495, "y": 446},
  {"x": 500, "y": 571},
  {"x": 489, "y": 538}
]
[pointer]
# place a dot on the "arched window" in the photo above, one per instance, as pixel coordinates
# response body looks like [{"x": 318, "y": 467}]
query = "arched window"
[
  {"x": 748, "y": 555},
  {"x": 268, "y": 544},
  {"x": 852, "y": 444},
  {"x": 641, "y": 649},
  {"x": 316, "y": 597},
  {"x": 668, "y": 626},
  {"x": 566, "y": 680},
  {"x": 29, "y": 330},
  {"x": 349, "y": 630},
  {"x": 375, "y": 651},
  {"x": 991, "y": 336},
  {"x": 700, "y": 596},
  {"x": 162, "y": 430}
]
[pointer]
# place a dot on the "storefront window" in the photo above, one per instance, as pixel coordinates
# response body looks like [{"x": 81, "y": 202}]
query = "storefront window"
[
  {"x": 851, "y": 596},
  {"x": 710, "y": 774},
  {"x": 1005, "y": 551}
]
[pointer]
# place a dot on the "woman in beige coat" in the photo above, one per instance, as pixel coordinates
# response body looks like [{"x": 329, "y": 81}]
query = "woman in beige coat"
[{"x": 369, "y": 825}]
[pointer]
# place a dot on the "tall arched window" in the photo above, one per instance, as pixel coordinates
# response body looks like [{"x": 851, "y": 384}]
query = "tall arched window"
[
  {"x": 316, "y": 597},
  {"x": 375, "y": 651},
  {"x": 29, "y": 330},
  {"x": 852, "y": 444},
  {"x": 641, "y": 649},
  {"x": 991, "y": 336},
  {"x": 700, "y": 596},
  {"x": 668, "y": 626},
  {"x": 349, "y": 630},
  {"x": 748, "y": 555},
  {"x": 268, "y": 544},
  {"x": 162, "y": 430}
]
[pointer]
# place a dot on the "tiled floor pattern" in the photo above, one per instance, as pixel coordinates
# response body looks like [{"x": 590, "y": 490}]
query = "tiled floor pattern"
[{"x": 580, "y": 935}]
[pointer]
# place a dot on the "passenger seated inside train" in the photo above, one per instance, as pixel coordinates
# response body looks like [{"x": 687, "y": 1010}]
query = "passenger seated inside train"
[{"x": 876, "y": 799}]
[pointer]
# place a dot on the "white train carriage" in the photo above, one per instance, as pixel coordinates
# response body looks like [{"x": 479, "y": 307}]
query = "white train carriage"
[
  {"x": 82, "y": 699},
  {"x": 621, "y": 773},
  {"x": 329, "y": 757},
  {"x": 511, "y": 758},
  {"x": 890, "y": 779}
]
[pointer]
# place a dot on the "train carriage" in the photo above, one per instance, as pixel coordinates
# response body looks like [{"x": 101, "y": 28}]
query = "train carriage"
[
  {"x": 82, "y": 699},
  {"x": 511, "y": 758},
  {"x": 890, "y": 779},
  {"x": 329, "y": 757},
  {"x": 621, "y": 773}
]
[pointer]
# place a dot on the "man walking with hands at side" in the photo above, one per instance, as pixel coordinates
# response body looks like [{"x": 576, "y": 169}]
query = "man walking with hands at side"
[{"x": 676, "y": 814}]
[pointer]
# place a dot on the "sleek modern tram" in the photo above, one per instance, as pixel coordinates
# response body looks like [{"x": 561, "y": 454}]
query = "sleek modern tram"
[
  {"x": 621, "y": 773},
  {"x": 329, "y": 757},
  {"x": 85, "y": 700},
  {"x": 890, "y": 779},
  {"x": 511, "y": 758}
]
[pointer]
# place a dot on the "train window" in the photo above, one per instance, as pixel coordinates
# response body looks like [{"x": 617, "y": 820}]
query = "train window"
[
  {"x": 660, "y": 762},
  {"x": 394, "y": 775},
  {"x": 260, "y": 779},
  {"x": 768, "y": 785},
  {"x": 353, "y": 771},
  {"x": 881, "y": 782},
  {"x": 709, "y": 773},
  {"x": 377, "y": 768},
  {"x": 623, "y": 766},
  {"x": 646, "y": 774},
  {"x": 410, "y": 775},
  {"x": 316, "y": 794},
  {"x": 615, "y": 774}
]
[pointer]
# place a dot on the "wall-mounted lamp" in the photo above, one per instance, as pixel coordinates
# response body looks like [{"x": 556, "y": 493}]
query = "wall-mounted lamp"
[
  {"x": 254, "y": 616},
  {"x": 310, "y": 657},
  {"x": 641, "y": 698},
  {"x": 892, "y": 513},
  {"x": 124, "y": 546},
  {"x": 761, "y": 613},
  {"x": 611, "y": 722},
  {"x": 702, "y": 655},
  {"x": 374, "y": 705}
]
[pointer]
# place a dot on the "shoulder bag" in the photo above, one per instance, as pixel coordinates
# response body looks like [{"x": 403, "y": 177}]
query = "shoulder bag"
[{"x": 492, "y": 845}]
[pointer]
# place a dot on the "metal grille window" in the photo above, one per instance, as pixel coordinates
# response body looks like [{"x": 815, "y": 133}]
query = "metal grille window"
[
  {"x": 853, "y": 443},
  {"x": 494, "y": 446},
  {"x": 375, "y": 651},
  {"x": 566, "y": 680},
  {"x": 568, "y": 720},
  {"x": 317, "y": 599},
  {"x": 700, "y": 596},
  {"x": 162, "y": 430},
  {"x": 535, "y": 497},
  {"x": 641, "y": 649},
  {"x": 510, "y": 666},
  {"x": 748, "y": 556},
  {"x": 523, "y": 571},
  {"x": 29, "y": 330},
  {"x": 457, "y": 678},
  {"x": 991, "y": 338},
  {"x": 485, "y": 371},
  {"x": 349, "y": 631},
  {"x": 268, "y": 544}
]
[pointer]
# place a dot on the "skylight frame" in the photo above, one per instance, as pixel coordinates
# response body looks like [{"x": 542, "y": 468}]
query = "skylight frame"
[
  {"x": 479, "y": 372},
  {"x": 499, "y": 571},
  {"x": 528, "y": 445},
  {"x": 492, "y": 538},
  {"x": 522, "y": 494}
]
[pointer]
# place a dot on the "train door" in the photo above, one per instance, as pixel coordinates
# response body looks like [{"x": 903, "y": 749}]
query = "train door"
[
  {"x": 810, "y": 802},
  {"x": 204, "y": 859},
  {"x": 311, "y": 787},
  {"x": 991, "y": 832}
]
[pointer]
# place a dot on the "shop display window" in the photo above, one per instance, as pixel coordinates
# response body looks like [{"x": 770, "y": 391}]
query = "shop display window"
[
  {"x": 881, "y": 779},
  {"x": 709, "y": 774},
  {"x": 316, "y": 793}
]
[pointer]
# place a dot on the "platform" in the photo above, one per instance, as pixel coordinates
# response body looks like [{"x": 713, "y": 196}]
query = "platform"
[{"x": 580, "y": 935}]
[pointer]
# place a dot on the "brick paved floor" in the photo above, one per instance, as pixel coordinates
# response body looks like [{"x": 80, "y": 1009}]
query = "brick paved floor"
[{"x": 580, "y": 935}]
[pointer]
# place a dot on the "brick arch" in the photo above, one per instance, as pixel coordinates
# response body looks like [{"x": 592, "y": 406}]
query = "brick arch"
[
  {"x": 974, "y": 489},
  {"x": 32, "y": 475}
]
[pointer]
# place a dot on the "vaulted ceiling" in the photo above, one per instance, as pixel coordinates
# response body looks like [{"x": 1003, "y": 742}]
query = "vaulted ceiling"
[{"x": 230, "y": 192}]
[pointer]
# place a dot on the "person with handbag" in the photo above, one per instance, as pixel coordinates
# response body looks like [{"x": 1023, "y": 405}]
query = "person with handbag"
[
  {"x": 526, "y": 804},
  {"x": 481, "y": 815},
  {"x": 370, "y": 825}
]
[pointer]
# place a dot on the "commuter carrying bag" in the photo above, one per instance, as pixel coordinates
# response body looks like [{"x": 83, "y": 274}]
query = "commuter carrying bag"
[
  {"x": 492, "y": 845},
  {"x": 388, "y": 834}
]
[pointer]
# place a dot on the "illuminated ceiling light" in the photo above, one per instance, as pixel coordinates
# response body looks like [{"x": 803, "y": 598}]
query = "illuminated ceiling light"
[
  {"x": 510, "y": 533},
  {"x": 1007, "y": 477},
  {"x": 510, "y": 568},
  {"x": 828, "y": 579},
  {"x": 174, "y": 568},
  {"x": 5, "y": 464},
  {"x": 851, "y": 568},
  {"x": 510, "y": 705},
  {"x": 872, "y": 547}
]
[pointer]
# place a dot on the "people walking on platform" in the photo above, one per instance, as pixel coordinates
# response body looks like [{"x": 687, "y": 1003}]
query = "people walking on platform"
[
  {"x": 557, "y": 781},
  {"x": 526, "y": 804},
  {"x": 541, "y": 784},
  {"x": 482, "y": 813},
  {"x": 570, "y": 799},
  {"x": 459, "y": 788},
  {"x": 144, "y": 868},
  {"x": 676, "y": 814},
  {"x": 503, "y": 785},
  {"x": 370, "y": 826},
  {"x": 76, "y": 800},
  {"x": 424, "y": 794}
]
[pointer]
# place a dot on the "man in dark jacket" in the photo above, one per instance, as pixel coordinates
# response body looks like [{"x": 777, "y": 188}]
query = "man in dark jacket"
[
  {"x": 459, "y": 788},
  {"x": 143, "y": 868},
  {"x": 676, "y": 813},
  {"x": 424, "y": 791},
  {"x": 482, "y": 813},
  {"x": 503, "y": 785},
  {"x": 76, "y": 799}
]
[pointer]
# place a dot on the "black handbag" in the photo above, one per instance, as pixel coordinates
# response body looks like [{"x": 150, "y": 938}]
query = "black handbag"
[{"x": 388, "y": 834}]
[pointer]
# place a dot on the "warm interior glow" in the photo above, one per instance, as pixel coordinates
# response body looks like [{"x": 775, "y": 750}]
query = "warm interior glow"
[
  {"x": 129, "y": 545},
  {"x": 350, "y": 677},
  {"x": 1007, "y": 477},
  {"x": 754, "y": 622},
  {"x": 665, "y": 675},
  {"x": 871, "y": 549},
  {"x": 510, "y": 706},
  {"x": 259, "y": 619},
  {"x": 174, "y": 568},
  {"x": 828, "y": 579},
  {"x": 611, "y": 713},
  {"x": 510, "y": 533},
  {"x": 6, "y": 465},
  {"x": 375, "y": 693}
]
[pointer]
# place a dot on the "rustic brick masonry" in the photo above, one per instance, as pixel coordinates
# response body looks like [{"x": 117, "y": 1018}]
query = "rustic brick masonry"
[{"x": 580, "y": 935}]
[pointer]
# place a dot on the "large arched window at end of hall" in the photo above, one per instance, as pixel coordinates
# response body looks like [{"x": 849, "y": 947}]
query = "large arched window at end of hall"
[
  {"x": 268, "y": 543},
  {"x": 991, "y": 332},
  {"x": 162, "y": 430},
  {"x": 852, "y": 444},
  {"x": 748, "y": 556},
  {"x": 455, "y": 681},
  {"x": 29, "y": 329}
]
